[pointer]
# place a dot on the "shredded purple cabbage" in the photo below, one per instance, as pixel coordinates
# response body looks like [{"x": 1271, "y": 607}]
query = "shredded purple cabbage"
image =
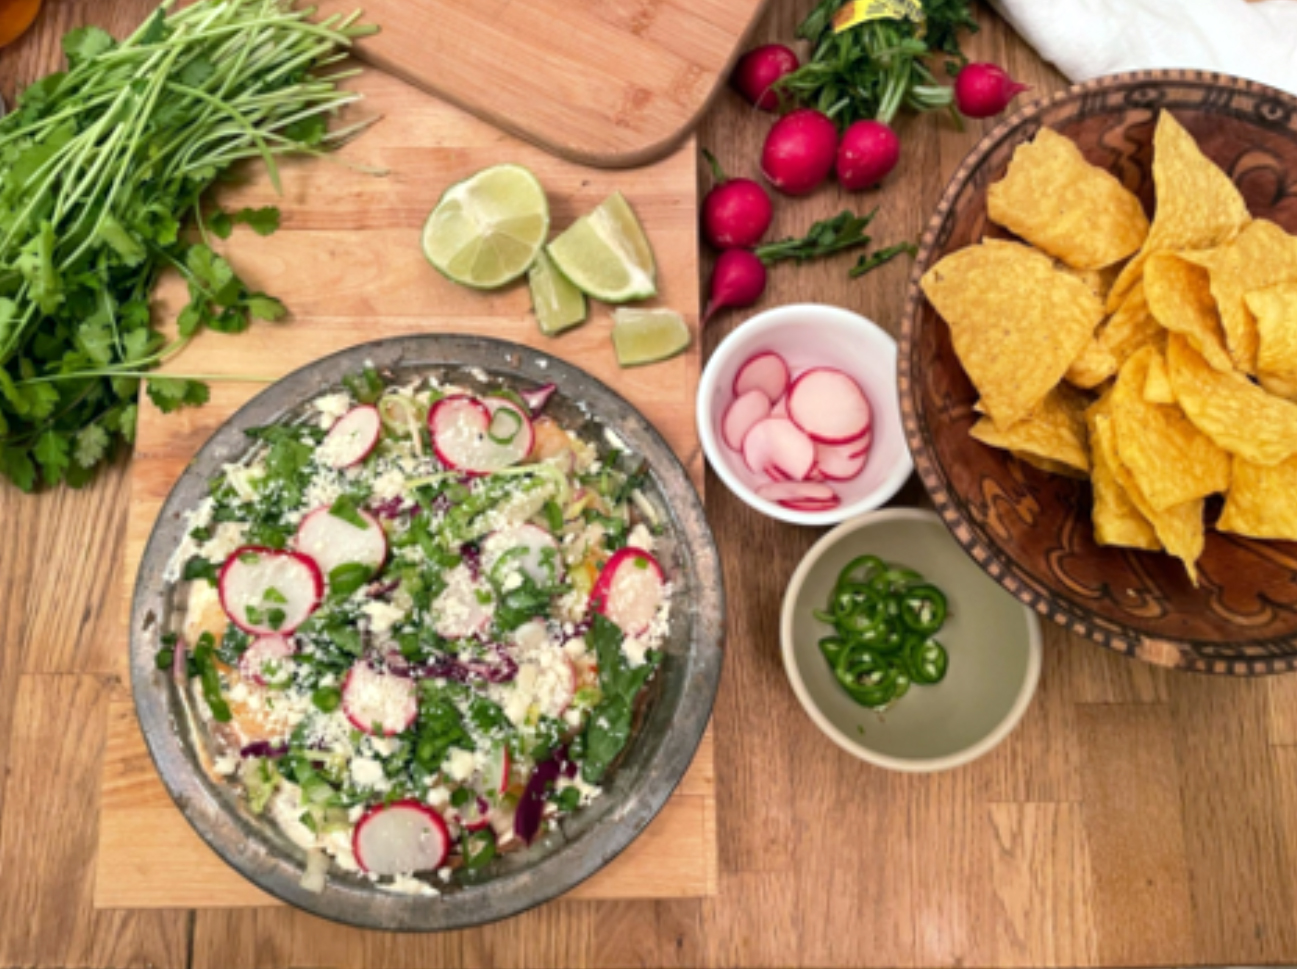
[
  {"x": 538, "y": 398},
  {"x": 263, "y": 748}
]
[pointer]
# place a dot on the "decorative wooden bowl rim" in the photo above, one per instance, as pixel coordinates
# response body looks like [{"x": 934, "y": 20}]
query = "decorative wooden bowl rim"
[{"x": 968, "y": 532}]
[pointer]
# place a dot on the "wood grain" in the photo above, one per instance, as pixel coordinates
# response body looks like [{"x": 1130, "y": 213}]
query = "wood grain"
[
  {"x": 610, "y": 84},
  {"x": 1093, "y": 798}
]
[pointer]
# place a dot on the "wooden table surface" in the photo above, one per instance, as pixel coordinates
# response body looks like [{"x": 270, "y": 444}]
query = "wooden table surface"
[{"x": 1135, "y": 817}]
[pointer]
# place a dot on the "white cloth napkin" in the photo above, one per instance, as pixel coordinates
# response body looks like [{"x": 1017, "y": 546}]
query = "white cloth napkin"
[{"x": 1087, "y": 38}]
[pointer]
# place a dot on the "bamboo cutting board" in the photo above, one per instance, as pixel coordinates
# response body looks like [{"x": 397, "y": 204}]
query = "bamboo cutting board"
[
  {"x": 348, "y": 265},
  {"x": 612, "y": 83}
]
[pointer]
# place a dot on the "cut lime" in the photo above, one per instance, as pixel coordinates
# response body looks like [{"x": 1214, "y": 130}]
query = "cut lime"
[
  {"x": 557, "y": 303},
  {"x": 606, "y": 254},
  {"x": 647, "y": 336},
  {"x": 487, "y": 229}
]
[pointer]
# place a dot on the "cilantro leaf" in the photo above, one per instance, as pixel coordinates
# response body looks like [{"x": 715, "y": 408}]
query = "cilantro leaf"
[
  {"x": 221, "y": 224},
  {"x": 263, "y": 221},
  {"x": 171, "y": 393},
  {"x": 16, "y": 465},
  {"x": 91, "y": 445},
  {"x": 86, "y": 43},
  {"x": 51, "y": 452},
  {"x": 126, "y": 422},
  {"x": 267, "y": 308}
]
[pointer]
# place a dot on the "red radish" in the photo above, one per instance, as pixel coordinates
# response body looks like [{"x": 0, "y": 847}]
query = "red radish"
[
  {"x": 815, "y": 474},
  {"x": 332, "y": 541},
  {"x": 868, "y": 152},
  {"x": 266, "y": 661},
  {"x": 812, "y": 505},
  {"x": 381, "y": 704},
  {"x": 766, "y": 372},
  {"x": 781, "y": 407},
  {"x": 400, "y": 839},
  {"x": 629, "y": 590},
  {"x": 983, "y": 90},
  {"x": 757, "y": 71},
  {"x": 736, "y": 212},
  {"x": 496, "y": 769},
  {"x": 800, "y": 492},
  {"x": 829, "y": 406},
  {"x": 458, "y": 611},
  {"x": 266, "y": 591},
  {"x": 539, "y": 557},
  {"x": 352, "y": 438},
  {"x": 778, "y": 447},
  {"x": 741, "y": 415},
  {"x": 799, "y": 151},
  {"x": 738, "y": 280},
  {"x": 475, "y": 815},
  {"x": 838, "y": 462},
  {"x": 479, "y": 436}
]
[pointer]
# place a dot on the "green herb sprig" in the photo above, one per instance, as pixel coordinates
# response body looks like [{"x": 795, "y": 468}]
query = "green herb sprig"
[
  {"x": 100, "y": 167},
  {"x": 844, "y": 231}
]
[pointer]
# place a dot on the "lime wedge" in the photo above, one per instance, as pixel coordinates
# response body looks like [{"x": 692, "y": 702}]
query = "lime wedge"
[
  {"x": 557, "y": 303},
  {"x": 606, "y": 254},
  {"x": 487, "y": 229},
  {"x": 647, "y": 336}
]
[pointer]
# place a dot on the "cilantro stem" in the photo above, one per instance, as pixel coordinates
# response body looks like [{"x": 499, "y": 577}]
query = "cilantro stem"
[{"x": 233, "y": 378}]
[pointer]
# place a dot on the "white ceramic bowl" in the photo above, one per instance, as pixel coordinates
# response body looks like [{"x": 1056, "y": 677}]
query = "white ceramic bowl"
[
  {"x": 993, "y": 642},
  {"x": 808, "y": 335}
]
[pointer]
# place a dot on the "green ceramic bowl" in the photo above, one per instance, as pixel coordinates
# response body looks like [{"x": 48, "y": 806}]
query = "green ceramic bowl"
[{"x": 992, "y": 639}]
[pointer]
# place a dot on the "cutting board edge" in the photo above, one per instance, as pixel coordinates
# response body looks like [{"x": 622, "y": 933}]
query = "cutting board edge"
[{"x": 644, "y": 154}]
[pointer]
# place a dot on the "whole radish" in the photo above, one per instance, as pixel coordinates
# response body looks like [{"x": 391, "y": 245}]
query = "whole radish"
[
  {"x": 758, "y": 70},
  {"x": 738, "y": 279},
  {"x": 869, "y": 150},
  {"x": 736, "y": 212},
  {"x": 799, "y": 151},
  {"x": 983, "y": 90}
]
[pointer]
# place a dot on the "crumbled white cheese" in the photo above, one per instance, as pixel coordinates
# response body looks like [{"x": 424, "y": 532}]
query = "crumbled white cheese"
[
  {"x": 460, "y": 764},
  {"x": 226, "y": 765},
  {"x": 243, "y": 479},
  {"x": 227, "y": 537},
  {"x": 408, "y": 885},
  {"x": 366, "y": 772},
  {"x": 389, "y": 484},
  {"x": 330, "y": 407},
  {"x": 382, "y": 615},
  {"x": 323, "y": 490},
  {"x": 640, "y": 537}
]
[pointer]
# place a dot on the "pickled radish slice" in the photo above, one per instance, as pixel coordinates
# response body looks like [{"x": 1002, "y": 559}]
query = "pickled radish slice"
[
  {"x": 352, "y": 438},
  {"x": 741, "y": 415},
  {"x": 400, "y": 838},
  {"x": 842, "y": 462},
  {"x": 332, "y": 541},
  {"x": 266, "y": 591},
  {"x": 766, "y": 372},
  {"x": 778, "y": 448},
  {"x": 629, "y": 590},
  {"x": 829, "y": 406},
  {"x": 381, "y": 704}
]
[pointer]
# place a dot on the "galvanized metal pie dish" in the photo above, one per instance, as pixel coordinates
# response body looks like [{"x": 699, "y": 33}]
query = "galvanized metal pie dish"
[{"x": 666, "y": 735}]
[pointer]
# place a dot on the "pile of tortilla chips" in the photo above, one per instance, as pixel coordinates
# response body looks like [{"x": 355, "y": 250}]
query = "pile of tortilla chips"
[{"x": 1158, "y": 360}]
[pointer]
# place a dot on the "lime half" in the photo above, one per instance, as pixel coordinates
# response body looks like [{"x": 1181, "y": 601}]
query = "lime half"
[
  {"x": 606, "y": 254},
  {"x": 647, "y": 336},
  {"x": 557, "y": 303},
  {"x": 487, "y": 229}
]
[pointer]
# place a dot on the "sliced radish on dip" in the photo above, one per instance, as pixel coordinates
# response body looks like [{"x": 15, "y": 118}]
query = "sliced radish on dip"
[
  {"x": 459, "y": 611},
  {"x": 268, "y": 661},
  {"x": 475, "y": 815},
  {"x": 352, "y": 438},
  {"x": 332, "y": 541},
  {"x": 266, "y": 591},
  {"x": 778, "y": 448},
  {"x": 829, "y": 406},
  {"x": 379, "y": 704},
  {"x": 400, "y": 838},
  {"x": 629, "y": 590},
  {"x": 527, "y": 549},
  {"x": 742, "y": 414},
  {"x": 765, "y": 372},
  {"x": 496, "y": 767},
  {"x": 480, "y": 436}
]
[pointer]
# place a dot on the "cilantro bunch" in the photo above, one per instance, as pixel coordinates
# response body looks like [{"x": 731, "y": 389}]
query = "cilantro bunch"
[
  {"x": 874, "y": 69},
  {"x": 101, "y": 166}
]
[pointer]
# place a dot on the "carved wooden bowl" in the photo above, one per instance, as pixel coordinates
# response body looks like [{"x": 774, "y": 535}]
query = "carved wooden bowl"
[{"x": 1030, "y": 530}]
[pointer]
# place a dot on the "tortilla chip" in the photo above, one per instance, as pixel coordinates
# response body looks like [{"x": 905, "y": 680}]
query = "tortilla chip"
[
  {"x": 1054, "y": 432},
  {"x": 1170, "y": 459},
  {"x": 1117, "y": 519},
  {"x": 1056, "y": 200},
  {"x": 1274, "y": 311},
  {"x": 1262, "y": 502},
  {"x": 1179, "y": 297},
  {"x": 1157, "y": 384},
  {"x": 1280, "y": 386},
  {"x": 1016, "y": 322},
  {"x": 1099, "y": 280},
  {"x": 1261, "y": 256},
  {"x": 1198, "y": 206},
  {"x": 1234, "y": 412},
  {"x": 1129, "y": 329},
  {"x": 1050, "y": 467}
]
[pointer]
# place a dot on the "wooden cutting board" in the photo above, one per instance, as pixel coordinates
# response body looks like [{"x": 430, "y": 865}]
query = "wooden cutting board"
[
  {"x": 348, "y": 265},
  {"x": 612, "y": 83}
]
